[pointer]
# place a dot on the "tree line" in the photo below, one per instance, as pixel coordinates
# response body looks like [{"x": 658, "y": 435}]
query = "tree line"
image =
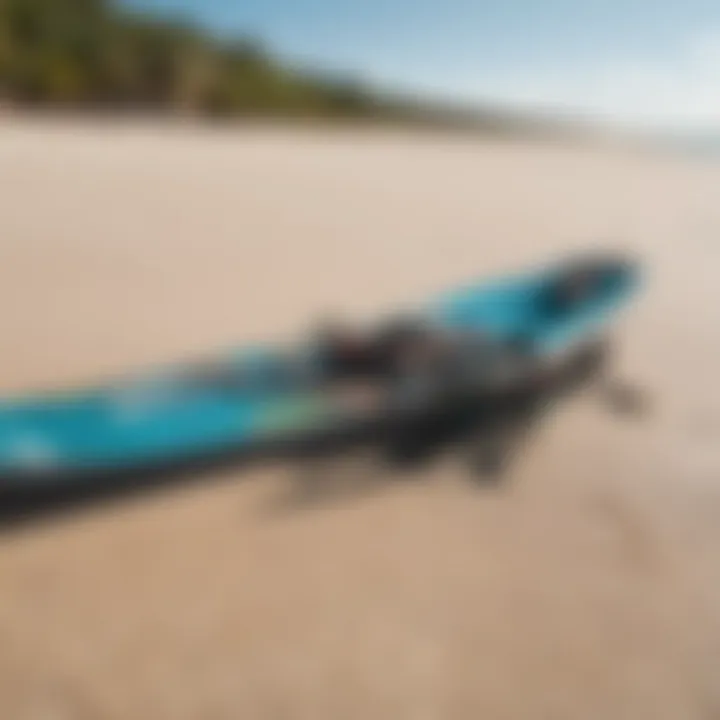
[{"x": 94, "y": 53}]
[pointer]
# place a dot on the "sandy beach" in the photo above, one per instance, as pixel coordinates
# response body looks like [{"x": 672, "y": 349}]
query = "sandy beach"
[{"x": 588, "y": 587}]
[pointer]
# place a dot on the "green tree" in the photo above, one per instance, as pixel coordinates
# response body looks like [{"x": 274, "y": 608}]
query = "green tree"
[{"x": 92, "y": 52}]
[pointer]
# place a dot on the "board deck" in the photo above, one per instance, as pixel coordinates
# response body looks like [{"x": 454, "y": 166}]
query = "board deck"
[{"x": 250, "y": 397}]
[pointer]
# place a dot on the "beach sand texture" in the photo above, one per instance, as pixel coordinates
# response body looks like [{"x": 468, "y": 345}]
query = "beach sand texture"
[{"x": 586, "y": 588}]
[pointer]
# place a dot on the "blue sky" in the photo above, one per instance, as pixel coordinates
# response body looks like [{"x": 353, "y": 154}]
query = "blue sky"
[{"x": 647, "y": 62}]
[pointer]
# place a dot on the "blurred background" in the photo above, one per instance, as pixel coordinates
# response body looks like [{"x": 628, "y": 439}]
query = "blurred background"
[
  {"x": 180, "y": 176},
  {"x": 643, "y": 64}
]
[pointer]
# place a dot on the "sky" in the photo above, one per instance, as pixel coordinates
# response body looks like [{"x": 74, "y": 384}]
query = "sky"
[{"x": 649, "y": 63}]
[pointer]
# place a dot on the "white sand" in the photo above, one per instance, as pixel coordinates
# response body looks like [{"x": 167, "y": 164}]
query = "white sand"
[{"x": 589, "y": 588}]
